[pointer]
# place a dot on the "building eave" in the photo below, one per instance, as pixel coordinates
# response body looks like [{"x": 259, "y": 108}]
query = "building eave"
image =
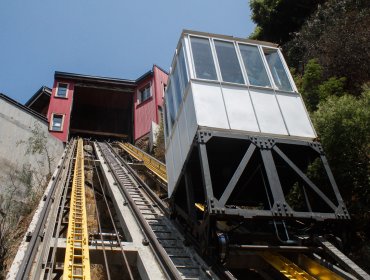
[
  {"x": 93, "y": 79},
  {"x": 43, "y": 90}
]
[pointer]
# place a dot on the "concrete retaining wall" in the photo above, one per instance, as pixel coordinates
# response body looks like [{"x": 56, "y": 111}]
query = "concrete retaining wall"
[{"x": 16, "y": 125}]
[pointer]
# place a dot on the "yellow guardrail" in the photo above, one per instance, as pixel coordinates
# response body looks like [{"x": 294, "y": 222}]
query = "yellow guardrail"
[
  {"x": 317, "y": 270},
  {"x": 77, "y": 260},
  {"x": 154, "y": 165},
  {"x": 286, "y": 267}
]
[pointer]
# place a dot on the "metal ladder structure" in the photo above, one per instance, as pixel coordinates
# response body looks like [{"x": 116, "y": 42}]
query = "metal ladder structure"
[
  {"x": 77, "y": 260},
  {"x": 154, "y": 165}
]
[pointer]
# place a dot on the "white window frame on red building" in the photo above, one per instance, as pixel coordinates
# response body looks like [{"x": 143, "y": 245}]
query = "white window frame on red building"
[
  {"x": 141, "y": 90},
  {"x": 57, "y": 90},
  {"x": 51, "y": 125}
]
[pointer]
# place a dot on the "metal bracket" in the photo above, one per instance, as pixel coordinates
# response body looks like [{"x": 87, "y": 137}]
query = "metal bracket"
[
  {"x": 317, "y": 147},
  {"x": 263, "y": 143},
  {"x": 203, "y": 137}
]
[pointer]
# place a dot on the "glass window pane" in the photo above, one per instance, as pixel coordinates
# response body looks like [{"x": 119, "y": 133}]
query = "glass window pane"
[
  {"x": 166, "y": 122},
  {"x": 184, "y": 74},
  {"x": 62, "y": 90},
  {"x": 203, "y": 60},
  {"x": 57, "y": 122},
  {"x": 277, "y": 70},
  {"x": 170, "y": 107},
  {"x": 253, "y": 63},
  {"x": 228, "y": 61},
  {"x": 176, "y": 87},
  {"x": 144, "y": 94}
]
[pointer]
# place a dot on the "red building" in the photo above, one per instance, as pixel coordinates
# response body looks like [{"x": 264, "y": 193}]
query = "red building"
[{"x": 102, "y": 107}]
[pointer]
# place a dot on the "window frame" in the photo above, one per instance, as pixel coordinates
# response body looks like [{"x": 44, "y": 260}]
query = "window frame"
[
  {"x": 141, "y": 89},
  {"x": 215, "y": 62},
  {"x": 51, "y": 125},
  {"x": 164, "y": 88},
  {"x": 285, "y": 67},
  {"x": 193, "y": 74},
  {"x": 181, "y": 50},
  {"x": 244, "y": 68},
  {"x": 218, "y": 67},
  {"x": 57, "y": 90}
]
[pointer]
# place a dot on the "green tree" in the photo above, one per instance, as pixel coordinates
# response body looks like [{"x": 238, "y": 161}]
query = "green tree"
[
  {"x": 333, "y": 86},
  {"x": 314, "y": 89},
  {"x": 343, "y": 125},
  {"x": 159, "y": 149},
  {"x": 277, "y": 19},
  {"x": 338, "y": 36},
  {"x": 310, "y": 83}
]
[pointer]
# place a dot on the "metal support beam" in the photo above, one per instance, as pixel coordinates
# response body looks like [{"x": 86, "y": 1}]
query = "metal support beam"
[
  {"x": 190, "y": 195},
  {"x": 239, "y": 171},
  {"x": 77, "y": 259},
  {"x": 272, "y": 177},
  {"x": 305, "y": 178},
  {"x": 206, "y": 173}
]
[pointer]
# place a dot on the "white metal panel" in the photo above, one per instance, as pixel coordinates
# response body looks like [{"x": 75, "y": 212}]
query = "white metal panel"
[
  {"x": 268, "y": 112},
  {"x": 295, "y": 115},
  {"x": 239, "y": 108},
  {"x": 209, "y": 105}
]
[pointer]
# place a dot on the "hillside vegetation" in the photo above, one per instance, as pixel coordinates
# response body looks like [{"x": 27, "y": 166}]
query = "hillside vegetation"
[{"x": 327, "y": 44}]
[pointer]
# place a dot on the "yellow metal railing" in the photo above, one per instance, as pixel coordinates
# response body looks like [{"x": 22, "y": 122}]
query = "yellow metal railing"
[
  {"x": 286, "y": 267},
  {"x": 154, "y": 165},
  {"x": 317, "y": 270},
  {"x": 77, "y": 260}
]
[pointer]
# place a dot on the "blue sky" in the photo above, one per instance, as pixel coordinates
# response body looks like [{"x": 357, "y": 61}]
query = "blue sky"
[{"x": 109, "y": 38}]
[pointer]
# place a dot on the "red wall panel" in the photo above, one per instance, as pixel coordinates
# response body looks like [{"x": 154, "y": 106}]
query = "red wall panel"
[
  {"x": 61, "y": 106},
  {"x": 147, "y": 112}
]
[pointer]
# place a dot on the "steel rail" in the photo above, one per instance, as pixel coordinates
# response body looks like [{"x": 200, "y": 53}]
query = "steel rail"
[
  {"x": 114, "y": 226},
  {"x": 158, "y": 250},
  {"x": 144, "y": 186},
  {"x": 99, "y": 224},
  {"x": 158, "y": 168},
  {"x": 60, "y": 214},
  {"x": 27, "y": 262},
  {"x": 266, "y": 251}
]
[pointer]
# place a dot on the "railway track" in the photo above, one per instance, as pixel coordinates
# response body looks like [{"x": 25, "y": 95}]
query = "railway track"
[
  {"x": 178, "y": 260},
  {"x": 162, "y": 237}
]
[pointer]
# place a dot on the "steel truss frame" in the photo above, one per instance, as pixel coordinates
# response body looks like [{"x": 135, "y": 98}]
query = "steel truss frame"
[{"x": 216, "y": 209}]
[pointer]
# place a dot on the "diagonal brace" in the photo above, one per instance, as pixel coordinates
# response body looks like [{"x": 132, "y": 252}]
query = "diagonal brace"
[
  {"x": 305, "y": 178},
  {"x": 238, "y": 172}
]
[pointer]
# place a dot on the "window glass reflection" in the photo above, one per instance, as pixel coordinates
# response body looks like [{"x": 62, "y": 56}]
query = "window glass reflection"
[
  {"x": 256, "y": 71},
  {"x": 277, "y": 70},
  {"x": 182, "y": 67},
  {"x": 166, "y": 121},
  {"x": 203, "y": 60},
  {"x": 229, "y": 63},
  {"x": 170, "y": 107},
  {"x": 176, "y": 88}
]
